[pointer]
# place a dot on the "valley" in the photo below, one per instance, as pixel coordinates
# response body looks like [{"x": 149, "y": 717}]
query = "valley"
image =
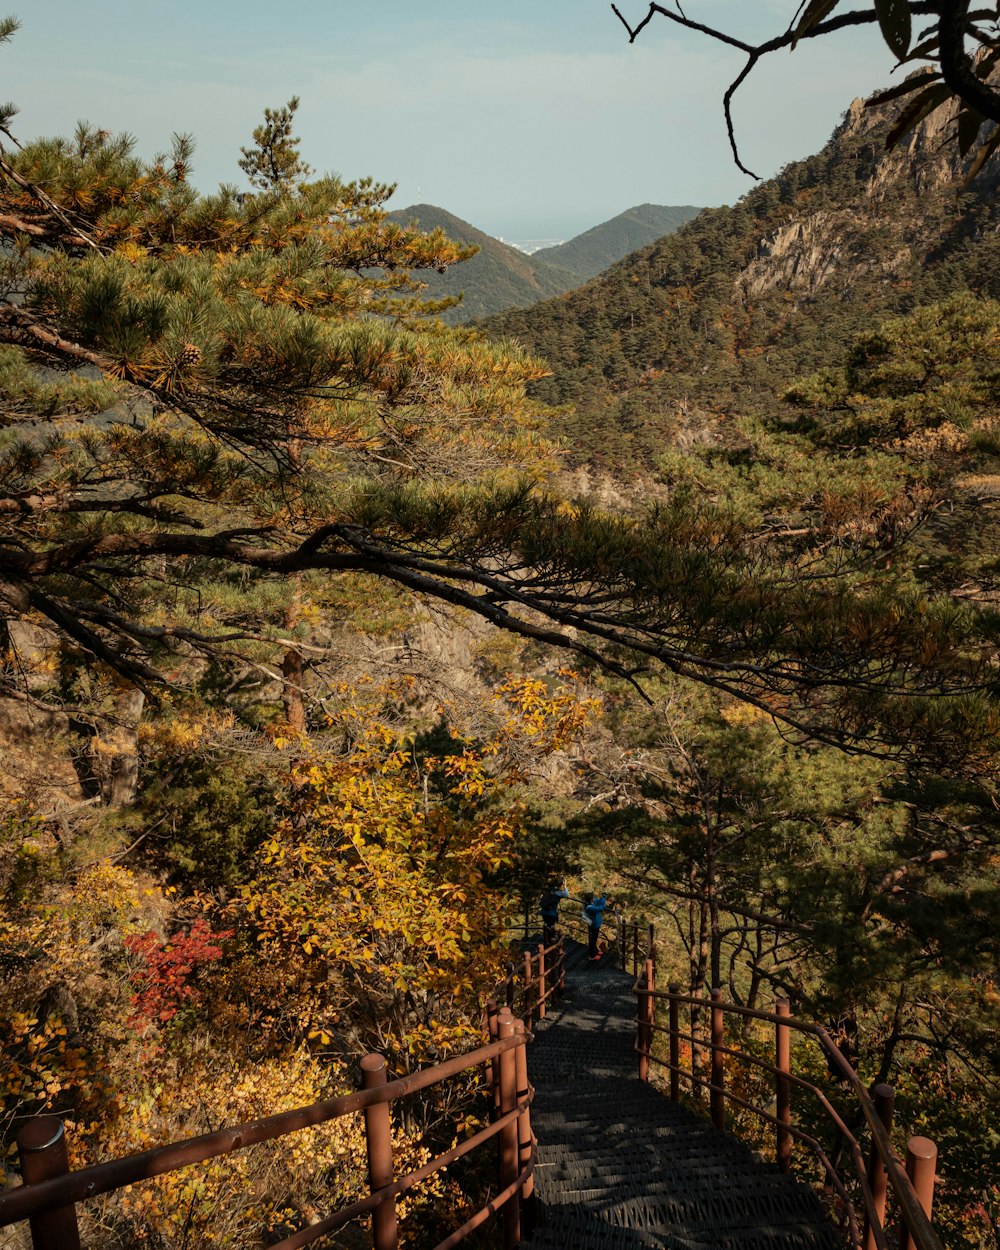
[{"x": 502, "y": 277}]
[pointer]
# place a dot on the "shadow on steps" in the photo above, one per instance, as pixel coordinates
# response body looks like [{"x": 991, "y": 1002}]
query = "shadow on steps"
[{"x": 621, "y": 1166}]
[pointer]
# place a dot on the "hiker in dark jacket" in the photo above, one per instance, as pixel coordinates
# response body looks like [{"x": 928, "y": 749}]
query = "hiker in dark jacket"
[
  {"x": 550, "y": 910},
  {"x": 593, "y": 913}
]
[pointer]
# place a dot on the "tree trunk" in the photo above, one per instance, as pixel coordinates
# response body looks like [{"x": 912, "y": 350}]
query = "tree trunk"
[
  {"x": 699, "y": 972},
  {"x": 292, "y": 673},
  {"x": 292, "y": 667},
  {"x": 715, "y": 937},
  {"x": 121, "y": 782},
  {"x": 701, "y": 968},
  {"x": 892, "y": 1041},
  {"x": 693, "y": 982},
  {"x": 755, "y": 977}
]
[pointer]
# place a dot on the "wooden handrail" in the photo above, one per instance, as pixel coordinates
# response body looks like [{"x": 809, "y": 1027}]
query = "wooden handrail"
[
  {"x": 60, "y": 1193},
  {"x": 339, "y": 1219},
  {"x": 55, "y": 1198},
  {"x": 797, "y": 1133},
  {"x": 522, "y": 988},
  {"x": 102, "y": 1178},
  {"x": 914, "y": 1217}
]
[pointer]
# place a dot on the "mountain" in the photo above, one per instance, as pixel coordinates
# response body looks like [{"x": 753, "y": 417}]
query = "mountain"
[
  {"x": 598, "y": 249},
  {"x": 499, "y": 277},
  {"x": 720, "y": 316}
]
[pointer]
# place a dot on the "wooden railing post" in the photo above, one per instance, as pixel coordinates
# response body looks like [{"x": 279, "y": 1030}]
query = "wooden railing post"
[
  {"x": 640, "y": 1030},
  {"x": 378, "y": 1132},
  {"x": 878, "y": 1182},
  {"x": 492, "y": 1011},
  {"x": 509, "y": 1135},
  {"x": 783, "y": 1086},
  {"x": 651, "y": 951},
  {"x": 921, "y": 1165},
  {"x": 717, "y": 1101},
  {"x": 541, "y": 980},
  {"x": 698, "y": 1049},
  {"x": 622, "y": 939},
  {"x": 41, "y": 1148},
  {"x": 635, "y": 949},
  {"x": 645, "y": 1020},
  {"x": 528, "y": 1016},
  {"x": 675, "y": 1042},
  {"x": 525, "y": 1142}
]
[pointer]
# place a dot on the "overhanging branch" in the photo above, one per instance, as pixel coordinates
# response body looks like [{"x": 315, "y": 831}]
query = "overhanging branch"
[
  {"x": 797, "y": 691},
  {"x": 955, "y": 23}
]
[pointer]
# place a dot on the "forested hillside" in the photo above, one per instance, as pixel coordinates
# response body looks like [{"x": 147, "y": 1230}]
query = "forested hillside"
[
  {"x": 501, "y": 277},
  {"x": 721, "y": 316},
  {"x": 497, "y": 277},
  {"x": 599, "y": 248}
]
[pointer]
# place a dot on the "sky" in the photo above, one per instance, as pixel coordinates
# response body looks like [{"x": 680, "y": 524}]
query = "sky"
[{"x": 528, "y": 118}]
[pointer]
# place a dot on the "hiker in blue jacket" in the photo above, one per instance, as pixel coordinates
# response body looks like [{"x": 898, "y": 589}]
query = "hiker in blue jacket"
[
  {"x": 593, "y": 913},
  {"x": 550, "y": 910}
]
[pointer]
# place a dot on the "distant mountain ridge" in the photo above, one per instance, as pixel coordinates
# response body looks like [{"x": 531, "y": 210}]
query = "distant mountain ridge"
[
  {"x": 602, "y": 246},
  {"x": 498, "y": 277},
  {"x": 501, "y": 277},
  {"x": 721, "y": 316}
]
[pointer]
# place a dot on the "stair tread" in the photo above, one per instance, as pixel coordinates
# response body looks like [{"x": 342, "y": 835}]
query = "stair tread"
[{"x": 621, "y": 1167}]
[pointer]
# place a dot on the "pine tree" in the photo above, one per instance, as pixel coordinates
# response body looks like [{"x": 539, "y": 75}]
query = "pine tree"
[{"x": 274, "y": 163}]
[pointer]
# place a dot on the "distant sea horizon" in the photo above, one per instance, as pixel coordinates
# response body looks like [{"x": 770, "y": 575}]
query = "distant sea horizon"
[
  {"x": 530, "y": 245},
  {"x": 543, "y": 229}
]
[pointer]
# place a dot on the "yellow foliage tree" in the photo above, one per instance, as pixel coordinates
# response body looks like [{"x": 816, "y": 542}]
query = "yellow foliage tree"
[{"x": 374, "y": 896}]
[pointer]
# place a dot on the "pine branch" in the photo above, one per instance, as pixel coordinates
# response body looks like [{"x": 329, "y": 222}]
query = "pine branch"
[
  {"x": 79, "y": 236},
  {"x": 890, "y": 883},
  {"x": 772, "y": 922}
]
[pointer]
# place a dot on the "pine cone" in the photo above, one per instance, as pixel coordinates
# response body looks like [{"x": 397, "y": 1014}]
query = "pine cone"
[{"x": 191, "y": 355}]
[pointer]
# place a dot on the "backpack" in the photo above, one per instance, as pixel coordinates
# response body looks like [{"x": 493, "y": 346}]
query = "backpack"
[
  {"x": 592, "y": 914},
  {"x": 550, "y": 901}
]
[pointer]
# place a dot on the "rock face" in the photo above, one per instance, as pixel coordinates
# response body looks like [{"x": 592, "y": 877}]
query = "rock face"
[
  {"x": 37, "y": 758},
  {"x": 722, "y": 315},
  {"x": 800, "y": 256},
  {"x": 805, "y": 254}
]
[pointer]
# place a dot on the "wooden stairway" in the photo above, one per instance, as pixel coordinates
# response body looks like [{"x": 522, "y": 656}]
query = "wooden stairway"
[{"x": 620, "y": 1166}]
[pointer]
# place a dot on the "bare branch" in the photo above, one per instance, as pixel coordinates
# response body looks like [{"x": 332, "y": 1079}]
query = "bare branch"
[{"x": 955, "y": 23}]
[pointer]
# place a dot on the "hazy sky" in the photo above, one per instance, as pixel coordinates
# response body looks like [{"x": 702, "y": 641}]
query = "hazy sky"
[{"x": 529, "y": 118}]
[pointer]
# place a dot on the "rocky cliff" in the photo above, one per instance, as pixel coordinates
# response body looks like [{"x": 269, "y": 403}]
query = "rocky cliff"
[{"x": 722, "y": 315}]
